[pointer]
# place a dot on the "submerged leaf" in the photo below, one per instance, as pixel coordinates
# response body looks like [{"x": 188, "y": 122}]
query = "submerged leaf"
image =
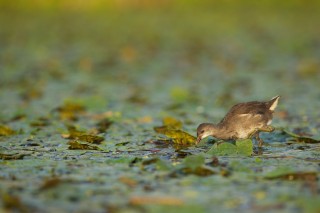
[
  {"x": 242, "y": 147},
  {"x": 300, "y": 138},
  {"x": 6, "y": 131},
  {"x": 73, "y": 145},
  {"x": 178, "y": 136}
]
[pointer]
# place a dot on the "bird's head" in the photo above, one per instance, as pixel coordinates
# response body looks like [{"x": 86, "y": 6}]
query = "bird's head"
[{"x": 204, "y": 130}]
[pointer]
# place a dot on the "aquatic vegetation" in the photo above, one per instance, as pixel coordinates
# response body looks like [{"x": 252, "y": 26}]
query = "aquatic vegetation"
[{"x": 100, "y": 101}]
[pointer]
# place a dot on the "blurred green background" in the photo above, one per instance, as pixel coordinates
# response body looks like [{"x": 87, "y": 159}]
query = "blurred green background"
[
  {"x": 218, "y": 52},
  {"x": 138, "y": 61}
]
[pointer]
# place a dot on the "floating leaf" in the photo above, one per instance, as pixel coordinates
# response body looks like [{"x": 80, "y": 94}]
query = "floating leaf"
[
  {"x": 223, "y": 148},
  {"x": 18, "y": 117},
  {"x": 50, "y": 183},
  {"x": 75, "y": 134},
  {"x": 195, "y": 165},
  {"x": 128, "y": 181},
  {"x": 178, "y": 136},
  {"x": 242, "y": 147},
  {"x": 285, "y": 173},
  {"x": 202, "y": 171},
  {"x": 194, "y": 161},
  {"x": 171, "y": 128},
  {"x": 70, "y": 111},
  {"x": 14, "y": 203},
  {"x": 103, "y": 125},
  {"x": 158, "y": 163},
  {"x": 300, "y": 138},
  {"x": 6, "y": 131},
  {"x": 172, "y": 122},
  {"x": 73, "y": 145},
  {"x": 12, "y": 156},
  {"x": 164, "y": 200},
  {"x": 40, "y": 122}
]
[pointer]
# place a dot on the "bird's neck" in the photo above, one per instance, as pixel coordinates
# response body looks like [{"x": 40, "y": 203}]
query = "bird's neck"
[{"x": 220, "y": 131}]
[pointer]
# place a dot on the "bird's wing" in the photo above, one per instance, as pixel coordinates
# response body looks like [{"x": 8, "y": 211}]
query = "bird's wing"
[{"x": 246, "y": 110}]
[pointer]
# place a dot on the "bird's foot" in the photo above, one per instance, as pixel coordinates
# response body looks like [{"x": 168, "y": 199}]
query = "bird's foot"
[{"x": 267, "y": 129}]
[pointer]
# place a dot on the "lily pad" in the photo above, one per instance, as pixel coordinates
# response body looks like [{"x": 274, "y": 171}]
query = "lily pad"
[
  {"x": 193, "y": 161},
  {"x": 242, "y": 147},
  {"x": 300, "y": 138},
  {"x": 285, "y": 173}
]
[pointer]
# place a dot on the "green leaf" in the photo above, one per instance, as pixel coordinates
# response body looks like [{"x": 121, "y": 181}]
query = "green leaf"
[
  {"x": 242, "y": 147},
  {"x": 194, "y": 161},
  {"x": 299, "y": 138},
  {"x": 245, "y": 147},
  {"x": 223, "y": 148},
  {"x": 278, "y": 172},
  {"x": 286, "y": 173}
]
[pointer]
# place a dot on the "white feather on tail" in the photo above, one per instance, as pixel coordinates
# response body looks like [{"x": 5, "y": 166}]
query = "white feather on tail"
[{"x": 274, "y": 103}]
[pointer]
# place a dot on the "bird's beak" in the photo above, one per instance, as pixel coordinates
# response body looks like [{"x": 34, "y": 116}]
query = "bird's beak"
[{"x": 199, "y": 139}]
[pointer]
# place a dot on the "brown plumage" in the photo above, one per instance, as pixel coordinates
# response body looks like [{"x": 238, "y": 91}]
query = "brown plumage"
[{"x": 243, "y": 120}]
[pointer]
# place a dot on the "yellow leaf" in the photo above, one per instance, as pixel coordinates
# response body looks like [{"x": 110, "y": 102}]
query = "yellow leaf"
[
  {"x": 178, "y": 136},
  {"x": 6, "y": 131},
  {"x": 82, "y": 136},
  {"x": 81, "y": 146},
  {"x": 172, "y": 122}
]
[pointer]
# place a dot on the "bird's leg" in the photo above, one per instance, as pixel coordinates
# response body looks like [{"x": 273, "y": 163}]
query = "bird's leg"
[
  {"x": 263, "y": 129},
  {"x": 260, "y": 141},
  {"x": 253, "y": 133}
]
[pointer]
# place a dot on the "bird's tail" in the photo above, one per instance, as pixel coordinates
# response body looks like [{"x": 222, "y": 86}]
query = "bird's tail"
[{"x": 273, "y": 103}]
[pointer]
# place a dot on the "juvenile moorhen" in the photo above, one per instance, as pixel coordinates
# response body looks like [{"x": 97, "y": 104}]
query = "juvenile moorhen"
[{"x": 244, "y": 120}]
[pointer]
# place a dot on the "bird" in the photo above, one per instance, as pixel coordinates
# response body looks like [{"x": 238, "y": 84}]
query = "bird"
[{"x": 243, "y": 121}]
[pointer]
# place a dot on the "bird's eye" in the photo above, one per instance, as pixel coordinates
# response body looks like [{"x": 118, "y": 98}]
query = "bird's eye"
[{"x": 202, "y": 131}]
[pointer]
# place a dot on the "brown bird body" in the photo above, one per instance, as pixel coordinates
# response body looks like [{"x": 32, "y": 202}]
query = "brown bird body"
[{"x": 243, "y": 120}]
